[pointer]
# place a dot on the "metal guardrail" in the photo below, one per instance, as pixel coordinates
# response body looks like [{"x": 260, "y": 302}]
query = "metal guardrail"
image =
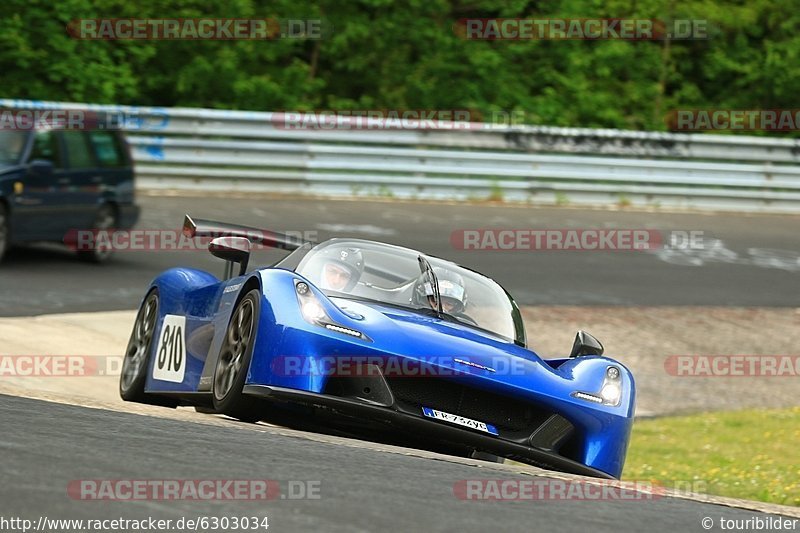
[{"x": 204, "y": 149}]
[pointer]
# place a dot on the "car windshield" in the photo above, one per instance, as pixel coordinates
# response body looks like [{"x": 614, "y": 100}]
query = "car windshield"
[
  {"x": 393, "y": 275},
  {"x": 11, "y": 145}
]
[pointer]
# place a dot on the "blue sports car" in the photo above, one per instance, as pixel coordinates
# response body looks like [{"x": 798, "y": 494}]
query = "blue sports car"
[{"x": 367, "y": 339}]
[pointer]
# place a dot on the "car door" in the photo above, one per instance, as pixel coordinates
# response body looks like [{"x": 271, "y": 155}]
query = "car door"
[
  {"x": 114, "y": 170},
  {"x": 42, "y": 200},
  {"x": 83, "y": 177}
]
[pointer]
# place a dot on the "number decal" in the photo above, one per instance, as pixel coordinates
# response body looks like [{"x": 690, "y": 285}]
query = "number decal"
[{"x": 171, "y": 353}]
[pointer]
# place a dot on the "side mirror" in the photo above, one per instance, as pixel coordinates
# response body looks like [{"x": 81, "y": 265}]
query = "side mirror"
[
  {"x": 232, "y": 250},
  {"x": 585, "y": 344},
  {"x": 41, "y": 168}
]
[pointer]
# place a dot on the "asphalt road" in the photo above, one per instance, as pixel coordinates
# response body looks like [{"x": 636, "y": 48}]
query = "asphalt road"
[
  {"x": 746, "y": 260},
  {"x": 52, "y": 444}
]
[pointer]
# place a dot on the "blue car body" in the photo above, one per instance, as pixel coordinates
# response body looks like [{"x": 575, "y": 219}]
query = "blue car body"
[{"x": 538, "y": 411}]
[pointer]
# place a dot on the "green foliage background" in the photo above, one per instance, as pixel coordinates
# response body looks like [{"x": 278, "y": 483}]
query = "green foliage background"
[{"x": 405, "y": 55}]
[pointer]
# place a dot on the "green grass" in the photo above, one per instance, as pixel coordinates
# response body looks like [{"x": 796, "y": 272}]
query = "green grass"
[
  {"x": 751, "y": 454},
  {"x": 495, "y": 192}
]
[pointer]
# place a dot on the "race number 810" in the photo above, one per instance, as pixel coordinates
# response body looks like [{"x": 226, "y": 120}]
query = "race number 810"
[{"x": 170, "y": 363}]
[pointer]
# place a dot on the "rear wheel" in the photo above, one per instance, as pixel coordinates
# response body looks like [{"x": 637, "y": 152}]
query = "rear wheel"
[
  {"x": 101, "y": 251},
  {"x": 234, "y": 361},
  {"x": 4, "y": 231},
  {"x": 134, "y": 365}
]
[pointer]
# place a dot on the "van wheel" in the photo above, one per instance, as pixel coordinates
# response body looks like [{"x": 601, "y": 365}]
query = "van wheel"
[
  {"x": 4, "y": 232},
  {"x": 104, "y": 220}
]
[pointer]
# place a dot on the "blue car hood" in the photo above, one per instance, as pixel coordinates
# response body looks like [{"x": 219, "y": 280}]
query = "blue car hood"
[
  {"x": 410, "y": 333},
  {"x": 459, "y": 349}
]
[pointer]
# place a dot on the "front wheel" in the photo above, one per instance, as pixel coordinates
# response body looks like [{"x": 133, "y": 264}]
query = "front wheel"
[{"x": 234, "y": 361}]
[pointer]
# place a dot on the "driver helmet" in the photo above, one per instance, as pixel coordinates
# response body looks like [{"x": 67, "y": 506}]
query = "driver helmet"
[
  {"x": 341, "y": 268},
  {"x": 451, "y": 289}
]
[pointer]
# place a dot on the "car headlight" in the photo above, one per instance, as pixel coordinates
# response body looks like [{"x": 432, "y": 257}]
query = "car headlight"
[
  {"x": 314, "y": 313},
  {"x": 310, "y": 307},
  {"x": 610, "y": 391}
]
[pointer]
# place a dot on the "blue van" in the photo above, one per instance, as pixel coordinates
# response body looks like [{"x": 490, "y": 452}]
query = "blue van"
[{"x": 55, "y": 181}]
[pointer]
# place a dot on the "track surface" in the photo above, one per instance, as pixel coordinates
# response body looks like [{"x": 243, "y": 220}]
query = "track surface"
[
  {"x": 46, "y": 279},
  {"x": 360, "y": 489}
]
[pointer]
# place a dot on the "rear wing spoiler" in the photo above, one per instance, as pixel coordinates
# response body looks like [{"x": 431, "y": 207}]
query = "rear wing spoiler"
[{"x": 209, "y": 228}]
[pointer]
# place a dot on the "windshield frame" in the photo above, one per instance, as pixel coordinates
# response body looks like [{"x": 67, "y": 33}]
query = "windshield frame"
[{"x": 298, "y": 258}]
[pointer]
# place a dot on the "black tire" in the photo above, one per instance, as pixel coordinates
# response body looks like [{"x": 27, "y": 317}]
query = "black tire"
[
  {"x": 5, "y": 233},
  {"x": 233, "y": 362},
  {"x": 135, "y": 363},
  {"x": 105, "y": 219}
]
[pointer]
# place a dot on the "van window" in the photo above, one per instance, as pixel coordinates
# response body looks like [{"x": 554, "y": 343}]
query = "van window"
[
  {"x": 78, "y": 152},
  {"x": 12, "y": 144},
  {"x": 107, "y": 149},
  {"x": 45, "y": 146}
]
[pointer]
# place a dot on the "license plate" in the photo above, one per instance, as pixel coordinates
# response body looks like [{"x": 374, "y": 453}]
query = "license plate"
[{"x": 459, "y": 420}]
